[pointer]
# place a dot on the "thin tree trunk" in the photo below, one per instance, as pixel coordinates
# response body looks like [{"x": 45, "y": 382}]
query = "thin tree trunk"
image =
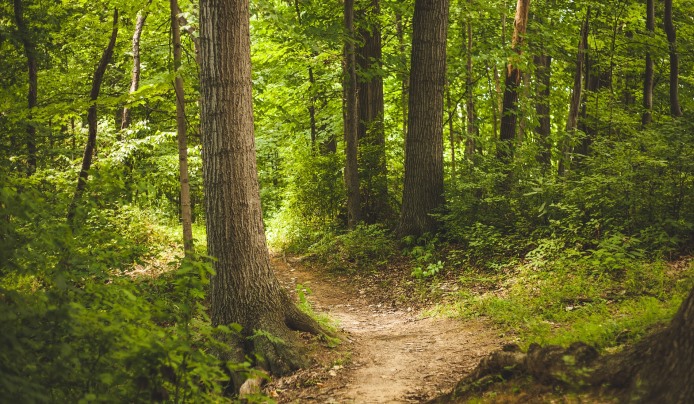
[
  {"x": 32, "y": 95},
  {"x": 675, "y": 109},
  {"x": 312, "y": 89},
  {"x": 471, "y": 126},
  {"x": 92, "y": 122},
  {"x": 181, "y": 127},
  {"x": 542, "y": 107},
  {"x": 370, "y": 130},
  {"x": 423, "y": 187},
  {"x": 451, "y": 132},
  {"x": 647, "y": 116},
  {"x": 405, "y": 78},
  {"x": 135, "y": 75},
  {"x": 576, "y": 93},
  {"x": 244, "y": 289},
  {"x": 351, "y": 119},
  {"x": 509, "y": 116}
]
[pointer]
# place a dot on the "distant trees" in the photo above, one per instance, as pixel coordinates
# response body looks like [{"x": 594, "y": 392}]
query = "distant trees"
[
  {"x": 32, "y": 73},
  {"x": 97, "y": 80}
]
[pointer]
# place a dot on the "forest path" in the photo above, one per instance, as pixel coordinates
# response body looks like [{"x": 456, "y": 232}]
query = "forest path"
[{"x": 388, "y": 355}]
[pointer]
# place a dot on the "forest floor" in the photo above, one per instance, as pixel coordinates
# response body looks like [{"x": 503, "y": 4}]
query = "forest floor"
[{"x": 391, "y": 351}]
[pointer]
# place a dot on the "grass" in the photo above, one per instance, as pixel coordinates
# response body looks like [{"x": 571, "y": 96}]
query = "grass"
[{"x": 560, "y": 302}]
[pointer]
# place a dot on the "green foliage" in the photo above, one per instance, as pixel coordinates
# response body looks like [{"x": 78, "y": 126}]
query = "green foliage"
[
  {"x": 425, "y": 255},
  {"x": 83, "y": 322},
  {"x": 327, "y": 323},
  {"x": 367, "y": 247},
  {"x": 575, "y": 297},
  {"x": 118, "y": 341}
]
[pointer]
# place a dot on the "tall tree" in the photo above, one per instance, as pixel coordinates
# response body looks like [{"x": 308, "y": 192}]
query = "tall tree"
[
  {"x": 97, "y": 79},
  {"x": 423, "y": 187},
  {"x": 647, "y": 115},
  {"x": 472, "y": 130},
  {"x": 244, "y": 290},
  {"x": 576, "y": 96},
  {"x": 543, "y": 63},
  {"x": 135, "y": 74},
  {"x": 181, "y": 126},
  {"x": 351, "y": 118},
  {"x": 675, "y": 109},
  {"x": 509, "y": 116},
  {"x": 370, "y": 131},
  {"x": 32, "y": 72}
]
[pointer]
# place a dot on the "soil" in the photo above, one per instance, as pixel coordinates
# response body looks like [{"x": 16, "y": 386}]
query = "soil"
[{"x": 391, "y": 352}]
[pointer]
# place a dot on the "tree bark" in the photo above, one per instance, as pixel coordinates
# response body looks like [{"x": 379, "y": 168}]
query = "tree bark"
[
  {"x": 423, "y": 187},
  {"x": 370, "y": 131},
  {"x": 675, "y": 109},
  {"x": 92, "y": 122},
  {"x": 647, "y": 116},
  {"x": 32, "y": 94},
  {"x": 542, "y": 108},
  {"x": 351, "y": 119},
  {"x": 244, "y": 289},
  {"x": 135, "y": 74},
  {"x": 509, "y": 116},
  {"x": 181, "y": 127},
  {"x": 576, "y": 93}
]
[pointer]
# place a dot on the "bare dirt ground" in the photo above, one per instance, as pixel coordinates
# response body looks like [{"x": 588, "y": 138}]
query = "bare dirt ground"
[{"x": 390, "y": 353}]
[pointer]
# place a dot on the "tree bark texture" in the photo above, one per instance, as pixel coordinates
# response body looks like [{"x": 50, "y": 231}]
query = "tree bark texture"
[
  {"x": 351, "y": 119},
  {"x": 370, "y": 131},
  {"x": 32, "y": 73},
  {"x": 675, "y": 109},
  {"x": 647, "y": 116},
  {"x": 667, "y": 376},
  {"x": 181, "y": 127},
  {"x": 509, "y": 115},
  {"x": 423, "y": 187},
  {"x": 542, "y": 107},
  {"x": 576, "y": 94},
  {"x": 244, "y": 289},
  {"x": 135, "y": 74},
  {"x": 92, "y": 121}
]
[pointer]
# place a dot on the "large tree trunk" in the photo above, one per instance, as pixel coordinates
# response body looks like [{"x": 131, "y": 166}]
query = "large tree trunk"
[
  {"x": 509, "y": 115},
  {"x": 244, "y": 289},
  {"x": 351, "y": 119},
  {"x": 423, "y": 187},
  {"x": 181, "y": 126},
  {"x": 135, "y": 74},
  {"x": 647, "y": 116},
  {"x": 675, "y": 109},
  {"x": 32, "y": 72},
  {"x": 575, "y": 102},
  {"x": 92, "y": 122},
  {"x": 370, "y": 131}
]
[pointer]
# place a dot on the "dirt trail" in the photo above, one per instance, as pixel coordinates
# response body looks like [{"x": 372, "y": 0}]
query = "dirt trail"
[{"x": 390, "y": 355}]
